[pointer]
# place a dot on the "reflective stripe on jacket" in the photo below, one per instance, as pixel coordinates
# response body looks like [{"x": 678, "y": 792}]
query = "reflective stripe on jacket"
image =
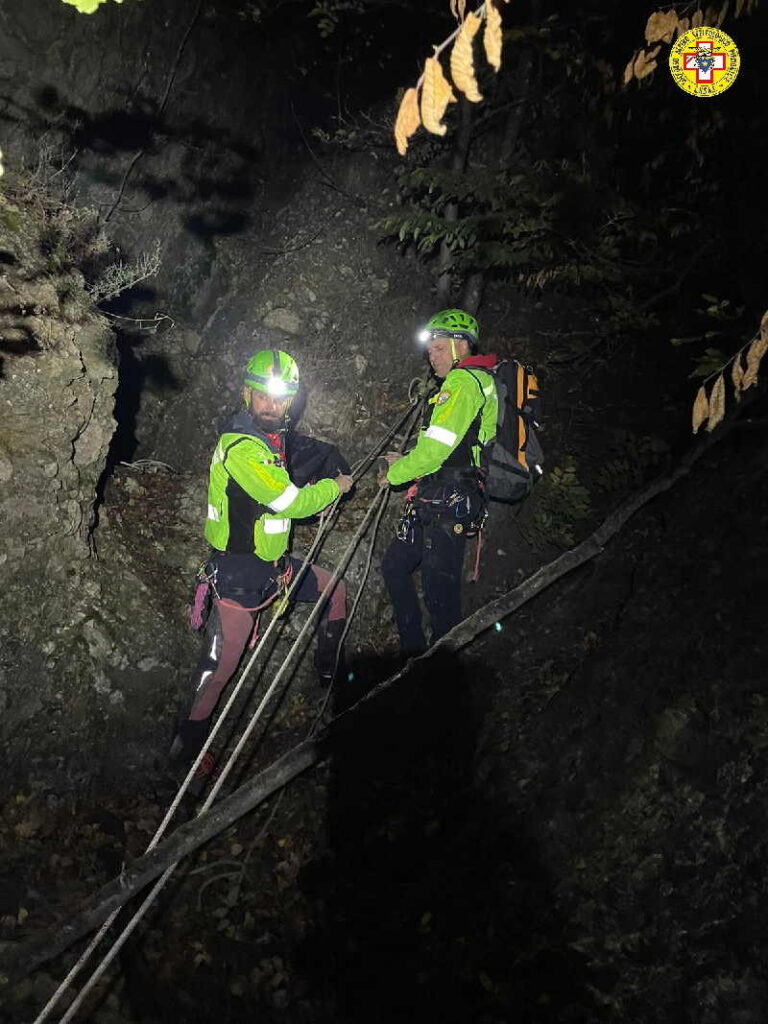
[
  {"x": 251, "y": 498},
  {"x": 463, "y": 395}
]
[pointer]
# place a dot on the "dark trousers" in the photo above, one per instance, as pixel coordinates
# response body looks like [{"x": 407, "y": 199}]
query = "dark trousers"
[{"x": 438, "y": 550}]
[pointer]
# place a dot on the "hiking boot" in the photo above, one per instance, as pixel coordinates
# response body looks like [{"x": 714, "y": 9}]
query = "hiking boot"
[
  {"x": 189, "y": 741},
  {"x": 205, "y": 773},
  {"x": 207, "y": 769}
]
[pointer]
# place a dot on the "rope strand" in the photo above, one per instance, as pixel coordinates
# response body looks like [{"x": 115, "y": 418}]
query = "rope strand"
[
  {"x": 229, "y": 764},
  {"x": 327, "y": 521}
]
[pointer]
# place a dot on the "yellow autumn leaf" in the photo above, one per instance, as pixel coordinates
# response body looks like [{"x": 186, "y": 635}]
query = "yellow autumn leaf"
[
  {"x": 646, "y": 62},
  {"x": 661, "y": 27},
  {"x": 737, "y": 376},
  {"x": 436, "y": 94},
  {"x": 740, "y": 4},
  {"x": 683, "y": 25},
  {"x": 457, "y": 8},
  {"x": 755, "y": 353},
  {"x": 408, "y": 119},
  {"x": 629, "y": 70},
  {"x": 700, "y": 408},
  {"x": 492, "y": 35},
  {"x": 697, "y": 19},
  {"x": 645, "y": 70},
  {"x": 462, "y": 66},
  {"x": 655, "y": 26},
  {"x": 716, "y": 403}
]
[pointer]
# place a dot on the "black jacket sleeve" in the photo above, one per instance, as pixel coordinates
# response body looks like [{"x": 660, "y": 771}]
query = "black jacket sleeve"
[{"x": 310, "y": 460}]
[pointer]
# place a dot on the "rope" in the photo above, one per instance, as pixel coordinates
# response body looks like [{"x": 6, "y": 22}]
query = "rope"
[
  {"x": 415, "y": 397},
  {"x": 161, "y": 829},
  {"x": 416, "y": 403},
  {"x": 233, "y": 757},
  {"x": 353, "y": 610},
  {"x": 323, "y": 526},
  {"x": 327, "y": 520}
]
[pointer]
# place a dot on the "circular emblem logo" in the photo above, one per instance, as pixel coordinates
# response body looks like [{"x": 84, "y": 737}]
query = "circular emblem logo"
[
  {"x": 704, "y": 61},
  {"x": 458, "y": 528}
]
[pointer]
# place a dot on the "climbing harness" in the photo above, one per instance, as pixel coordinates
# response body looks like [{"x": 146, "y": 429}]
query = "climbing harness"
[
  {"x": 453, "y": 510},
  {"x": 280, "y": 602},
  {"x": 326, "y": 522}
]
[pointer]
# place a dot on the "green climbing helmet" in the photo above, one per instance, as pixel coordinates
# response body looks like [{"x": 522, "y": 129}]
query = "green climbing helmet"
[
  {"x": 273, "y": 373},
  {"x": 452, "y": 323}
]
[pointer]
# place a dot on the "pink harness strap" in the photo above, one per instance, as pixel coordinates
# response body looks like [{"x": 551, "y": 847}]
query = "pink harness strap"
[{"x": 197, "y": 611}]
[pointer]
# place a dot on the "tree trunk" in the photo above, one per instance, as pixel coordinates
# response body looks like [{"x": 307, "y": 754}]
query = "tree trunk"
[
  {"x": 472, "y": 294},
  {"x": 458, "y": 166}
]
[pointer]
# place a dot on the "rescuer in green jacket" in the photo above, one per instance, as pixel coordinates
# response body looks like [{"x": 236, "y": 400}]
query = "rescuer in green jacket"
[
  {"x": 445, "y": 502},
  {"x": 252, "y": 502}
]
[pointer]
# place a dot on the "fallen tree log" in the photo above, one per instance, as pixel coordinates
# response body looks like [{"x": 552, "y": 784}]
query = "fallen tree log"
[{"x": 28, "y": 956}]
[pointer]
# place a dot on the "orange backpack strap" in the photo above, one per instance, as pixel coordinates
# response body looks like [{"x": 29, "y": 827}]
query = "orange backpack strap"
[{"x": 520, "y": 400}]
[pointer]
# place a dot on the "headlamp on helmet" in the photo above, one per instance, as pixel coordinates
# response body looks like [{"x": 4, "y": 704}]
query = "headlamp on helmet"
[
  {"x": 451, "y": 323},
  {"x": 273, "y": 373},
  {"x": 276, "y": 387}
]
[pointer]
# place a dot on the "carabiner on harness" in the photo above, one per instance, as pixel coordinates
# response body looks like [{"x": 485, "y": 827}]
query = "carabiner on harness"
[
  {"x": 405, "y": 530},
  {"x": 282, "y": 602}
]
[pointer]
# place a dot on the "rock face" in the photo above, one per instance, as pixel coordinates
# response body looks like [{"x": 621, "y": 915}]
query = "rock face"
[
  {"x": 58, "y": 380},
  {"x": 65, "y": 655},
  {"x": 92, "y": 612}
]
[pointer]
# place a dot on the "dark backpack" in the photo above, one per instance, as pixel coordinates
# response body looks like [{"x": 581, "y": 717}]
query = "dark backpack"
[{"x": 514, "y": 458}]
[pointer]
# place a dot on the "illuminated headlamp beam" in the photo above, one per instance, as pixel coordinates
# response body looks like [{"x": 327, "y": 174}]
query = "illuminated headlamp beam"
[
  {"x": 276, "y": 387},
  {"x": 424, "y": 336}
]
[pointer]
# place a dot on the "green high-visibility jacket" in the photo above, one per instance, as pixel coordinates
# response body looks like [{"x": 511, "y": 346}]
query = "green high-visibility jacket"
[
  {"x": 465, "y": 395},
  {"x": 251, "y": 498}
]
